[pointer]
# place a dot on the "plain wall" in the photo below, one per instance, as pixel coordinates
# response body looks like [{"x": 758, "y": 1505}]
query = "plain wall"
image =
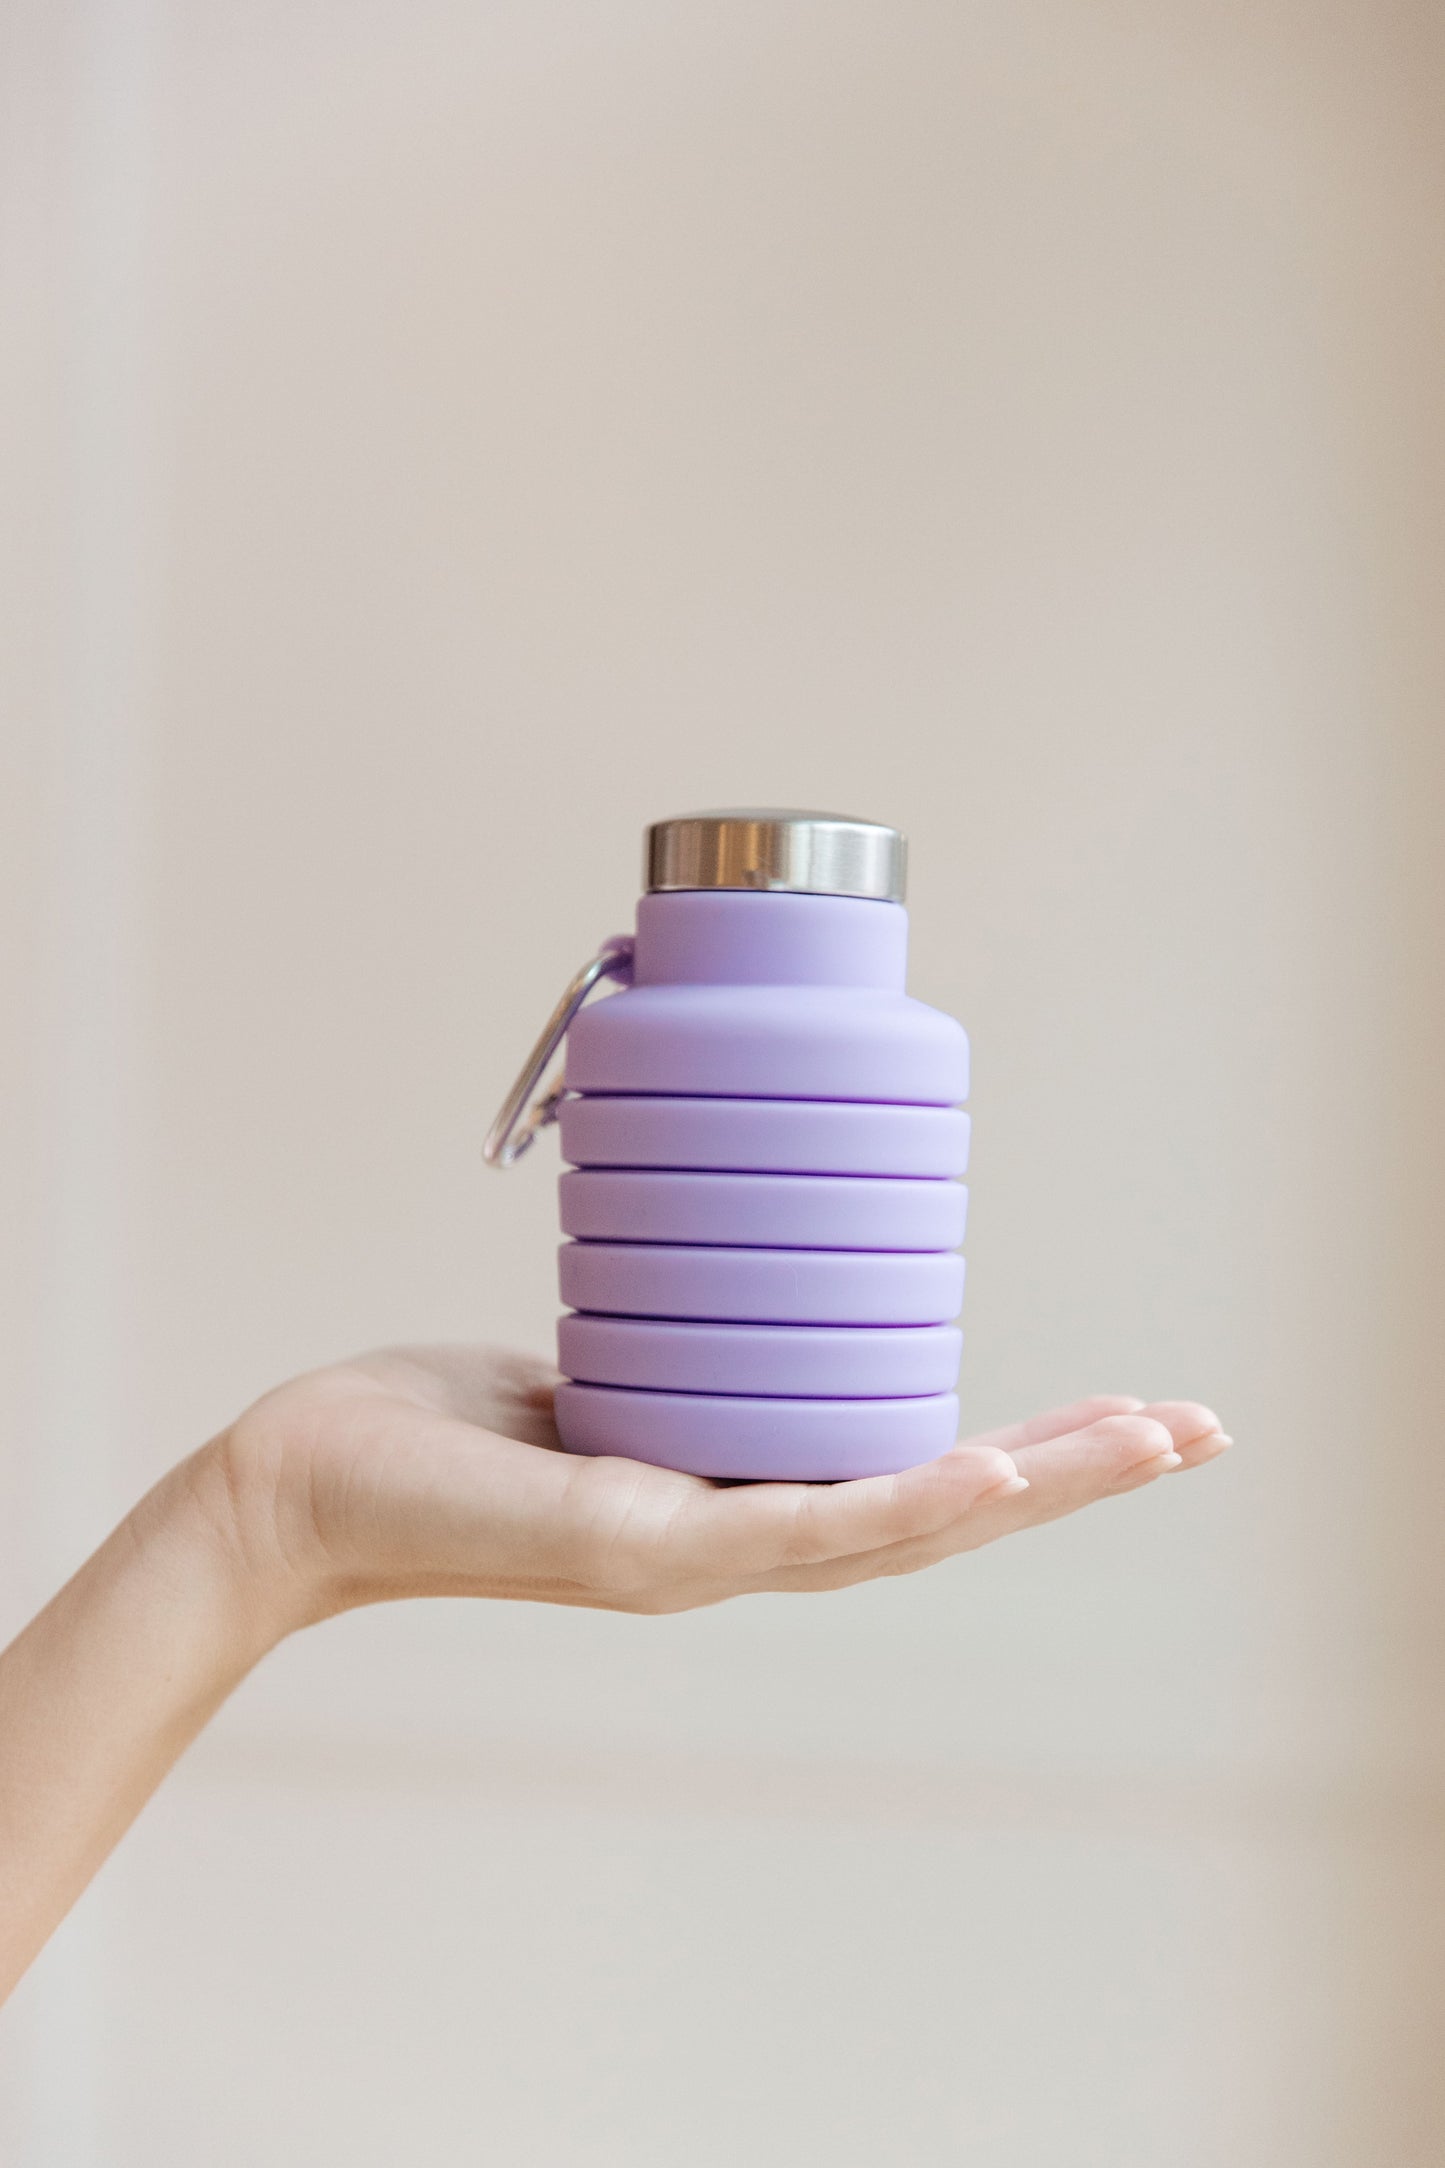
[{"x": 439, "y": 440}]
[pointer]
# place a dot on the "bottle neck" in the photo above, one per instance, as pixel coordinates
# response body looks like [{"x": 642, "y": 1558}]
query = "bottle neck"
[{"x": 739, "y": 937}]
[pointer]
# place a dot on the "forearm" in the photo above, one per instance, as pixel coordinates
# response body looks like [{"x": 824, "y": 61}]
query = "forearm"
[{"x": 107, "y": 1687}]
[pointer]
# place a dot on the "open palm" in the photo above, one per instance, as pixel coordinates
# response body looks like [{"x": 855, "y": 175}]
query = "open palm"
[{"x": 437, "y": 1471}]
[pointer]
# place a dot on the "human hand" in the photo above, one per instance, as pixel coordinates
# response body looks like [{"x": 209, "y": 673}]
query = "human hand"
[{"x": 437, "y": 1471}]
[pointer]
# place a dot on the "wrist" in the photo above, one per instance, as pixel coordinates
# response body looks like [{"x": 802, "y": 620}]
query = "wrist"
[{"x": 203, "y": 1531}]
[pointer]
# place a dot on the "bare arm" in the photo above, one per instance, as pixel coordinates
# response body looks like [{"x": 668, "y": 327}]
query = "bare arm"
[
  {"x": 436, "y": 1472},
  {"x": 101, "y": 1694}
]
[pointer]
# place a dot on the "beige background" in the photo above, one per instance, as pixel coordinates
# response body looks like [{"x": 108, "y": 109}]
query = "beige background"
[{"x": 438, "y": 439}]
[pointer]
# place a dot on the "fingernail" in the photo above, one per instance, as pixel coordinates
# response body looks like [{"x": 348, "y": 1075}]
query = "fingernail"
[
  {"x": 1009, "y": 1488},
  {"x": 1203, "y": 1450},
  {"x": 1155, "y": 1464}
]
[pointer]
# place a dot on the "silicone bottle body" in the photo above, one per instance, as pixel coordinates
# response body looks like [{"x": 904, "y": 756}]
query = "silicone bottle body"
[{"x": 764, "y": 1214}]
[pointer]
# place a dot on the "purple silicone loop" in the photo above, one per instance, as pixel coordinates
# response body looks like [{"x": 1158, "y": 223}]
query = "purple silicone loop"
[
  {"x": 837, "y": 1362},
  {"x": 770, "y": 1287},
  {"x": 762, "y": 1440},
  {"x": 767, "y": 1211},
  {"x": 779, "y": 1136}
]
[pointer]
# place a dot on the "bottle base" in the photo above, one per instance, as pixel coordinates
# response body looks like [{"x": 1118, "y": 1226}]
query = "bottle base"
[{"x": 757, "y": 1440}]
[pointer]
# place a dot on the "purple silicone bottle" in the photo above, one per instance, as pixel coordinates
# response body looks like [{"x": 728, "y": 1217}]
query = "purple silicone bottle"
[{"x": 764, "y": 1137}]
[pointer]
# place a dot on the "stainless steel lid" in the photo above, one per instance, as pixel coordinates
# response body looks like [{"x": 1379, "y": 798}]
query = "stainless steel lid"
[{"x": 772, "y": 847}]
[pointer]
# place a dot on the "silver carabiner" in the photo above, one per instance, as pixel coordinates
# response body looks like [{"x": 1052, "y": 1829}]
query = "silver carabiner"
[{"x": 516, "y": 1128}]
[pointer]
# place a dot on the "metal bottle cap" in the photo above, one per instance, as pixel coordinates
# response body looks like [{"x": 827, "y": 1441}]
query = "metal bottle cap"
[{"x": 771, "y": 847}]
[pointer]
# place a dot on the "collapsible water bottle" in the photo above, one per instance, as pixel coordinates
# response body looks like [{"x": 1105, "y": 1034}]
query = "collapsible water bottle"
[{"x": 764, "y": 1138}]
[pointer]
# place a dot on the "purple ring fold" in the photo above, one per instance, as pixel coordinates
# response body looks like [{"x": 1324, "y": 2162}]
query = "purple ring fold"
[
  {"x": 799, "y": 1441},
  {"x": 764, "y": 1287},
  {"x": 761, "y": 1136},
  {"x": 812, "y": 1361},
  {"x": 767, "y": 1211}
]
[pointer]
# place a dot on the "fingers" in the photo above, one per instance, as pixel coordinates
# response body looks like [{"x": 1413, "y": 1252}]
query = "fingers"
[
  {"x": 1105, "y": 1458},
  {"x": 1194, "y": 1429},
  {"x": 1117, "y": 1453}
]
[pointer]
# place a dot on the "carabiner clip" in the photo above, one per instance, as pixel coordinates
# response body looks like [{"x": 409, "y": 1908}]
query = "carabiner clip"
[{"x": 516, "y": 1128}]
